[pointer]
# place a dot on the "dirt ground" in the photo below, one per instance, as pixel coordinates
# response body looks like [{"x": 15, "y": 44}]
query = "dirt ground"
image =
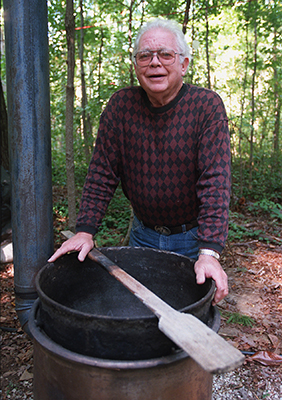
[{"x": 251, "y": 321}]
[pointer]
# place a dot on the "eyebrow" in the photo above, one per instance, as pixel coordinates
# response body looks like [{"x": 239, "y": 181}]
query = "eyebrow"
[{"x": 161, "y": 48}]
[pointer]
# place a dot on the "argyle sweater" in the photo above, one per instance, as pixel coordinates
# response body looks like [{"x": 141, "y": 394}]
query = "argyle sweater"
[{"x": 173, "y": 162}]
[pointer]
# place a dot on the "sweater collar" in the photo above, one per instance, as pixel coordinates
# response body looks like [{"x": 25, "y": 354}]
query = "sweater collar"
[{"x": 160, "y": 110}]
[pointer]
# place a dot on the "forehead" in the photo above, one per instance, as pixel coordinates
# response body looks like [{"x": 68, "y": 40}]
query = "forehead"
[{"x": 157, "y": 38}]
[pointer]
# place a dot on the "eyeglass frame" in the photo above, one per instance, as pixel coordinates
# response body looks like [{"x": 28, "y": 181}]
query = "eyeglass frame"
[{"x": 155, "y": 53}]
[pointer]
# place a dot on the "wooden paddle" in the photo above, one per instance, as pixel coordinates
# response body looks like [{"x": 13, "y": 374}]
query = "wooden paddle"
[{"x": 205, "y": 346}]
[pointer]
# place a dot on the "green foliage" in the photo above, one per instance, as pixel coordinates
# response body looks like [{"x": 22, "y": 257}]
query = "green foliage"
[
  {"x": 265, "y": 206},
  {"x": 267, "y": 177},
  {"x": 236, "y": 318},
  {"x": 61, "y": 208},
  {"x": 168, "y": 8},
  {"x": 59, "y": 176},
  {"x": 59, "y": 165},
  {"x": 238, "y": 232},
  {"x": 115, "y": 223}
]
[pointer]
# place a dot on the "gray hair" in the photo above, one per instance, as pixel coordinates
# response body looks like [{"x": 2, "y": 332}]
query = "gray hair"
[{"x": 171, "y": 26}]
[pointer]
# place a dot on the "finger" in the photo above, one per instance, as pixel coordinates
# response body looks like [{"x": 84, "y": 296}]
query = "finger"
[
  {"x": 57, "y": 254},
  {"x": 219, "y": 295},
  {"x": 221, "y": 292},
  {"x": 52, "y": 258},
  {"x": 65, "y": 248},
  {"x": 200, "y": 276},
  {"x": 82, "y": 254}
]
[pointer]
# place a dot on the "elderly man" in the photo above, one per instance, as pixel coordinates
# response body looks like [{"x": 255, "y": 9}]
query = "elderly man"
[{"x": 168, "y": 144}]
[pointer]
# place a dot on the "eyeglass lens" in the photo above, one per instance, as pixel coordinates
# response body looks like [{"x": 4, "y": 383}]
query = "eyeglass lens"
[{"x": 166, "y": 57}]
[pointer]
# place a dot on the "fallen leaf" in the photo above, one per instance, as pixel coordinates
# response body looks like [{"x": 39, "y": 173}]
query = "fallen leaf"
[
  {"x": 266, "y": 358},
  {"x": 274, "y": 340},
  {"x": 26, "y": 376},
  {"x": 248, "y": 340},
  {"x": 25, "y": 355},
  {"x": 8, "y": 373}
]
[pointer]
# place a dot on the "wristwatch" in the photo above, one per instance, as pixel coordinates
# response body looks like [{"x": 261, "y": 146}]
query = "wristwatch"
[{"x": 209, "y": 252}]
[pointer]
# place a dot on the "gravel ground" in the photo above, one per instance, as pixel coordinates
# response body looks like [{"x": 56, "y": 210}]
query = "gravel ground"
[{"x": 250, "y": 383}]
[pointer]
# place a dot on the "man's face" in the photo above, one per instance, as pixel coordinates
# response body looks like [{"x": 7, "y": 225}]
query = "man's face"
[{"x": 161, "y": 83}]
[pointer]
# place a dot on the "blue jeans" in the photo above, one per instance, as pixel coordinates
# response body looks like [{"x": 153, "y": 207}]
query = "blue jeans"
[{"x": 185, "y": 243}]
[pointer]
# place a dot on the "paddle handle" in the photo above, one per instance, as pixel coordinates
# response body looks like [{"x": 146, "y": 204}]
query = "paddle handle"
[{"x": 150, "y": 299}]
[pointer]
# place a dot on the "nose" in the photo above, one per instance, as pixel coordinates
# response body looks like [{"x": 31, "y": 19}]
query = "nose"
[{"x": 155, "y": 60}]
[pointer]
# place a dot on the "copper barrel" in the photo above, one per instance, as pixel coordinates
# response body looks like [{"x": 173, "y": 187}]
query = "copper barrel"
[{"x": 60, "y": 374}]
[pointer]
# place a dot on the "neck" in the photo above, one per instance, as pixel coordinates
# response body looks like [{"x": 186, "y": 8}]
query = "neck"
[{"x": 162, "y": 99}]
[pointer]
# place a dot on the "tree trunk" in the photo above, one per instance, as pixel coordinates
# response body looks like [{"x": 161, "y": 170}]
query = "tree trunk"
[
  {"x": 207, "y": 45},
  {"x": 130, "y": 42},
  {"x": 277, "y": 116},
  {"x": 277, "y": 100},
  {"x": 100, "y": 66},
  {"x": 242, "y": 112},
  {"x": 191, "y": 65},
  {"x": 186, "y": 16},
  {"x": 253, "y": 107},
  {"x": 4, "y": 130},
  {"x": 86, "y": 124},
  {"x": 70, "y": 30}
]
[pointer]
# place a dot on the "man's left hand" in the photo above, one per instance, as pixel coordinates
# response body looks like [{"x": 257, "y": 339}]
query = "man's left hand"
[{"x": 208, "y": 267}]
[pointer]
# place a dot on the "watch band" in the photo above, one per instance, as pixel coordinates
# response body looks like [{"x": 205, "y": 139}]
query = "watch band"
[{"x": 210, "y": 252}]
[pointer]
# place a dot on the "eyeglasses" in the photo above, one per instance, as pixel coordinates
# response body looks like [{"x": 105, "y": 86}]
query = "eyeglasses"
[{"x": 166, "y": 57}]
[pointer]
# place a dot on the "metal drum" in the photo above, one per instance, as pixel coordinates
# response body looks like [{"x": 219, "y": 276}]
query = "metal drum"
[
  {"x": 60, "y": 374},
  {"x": 94, "y": 340}
]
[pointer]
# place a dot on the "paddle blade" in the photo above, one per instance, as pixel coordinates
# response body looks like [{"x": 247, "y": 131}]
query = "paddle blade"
[{"x": 205, "y": 346}]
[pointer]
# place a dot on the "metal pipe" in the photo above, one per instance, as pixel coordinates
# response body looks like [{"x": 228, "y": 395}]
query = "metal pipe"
[{"x": 28, "y": 99}]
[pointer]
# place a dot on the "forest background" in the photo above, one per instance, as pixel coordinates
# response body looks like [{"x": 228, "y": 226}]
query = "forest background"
[{"x": 236, "y": 48}]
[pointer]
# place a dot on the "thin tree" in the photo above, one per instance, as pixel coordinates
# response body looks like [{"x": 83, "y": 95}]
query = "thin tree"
[
  {"x": 70, "y": 31},
  {"x": 100, "y": 59},
  {"x": 277, "y": 98},
  {"x": 242, "y": 111},
  {"x": 86, "y": 123},
  {"x": 193, "y": 49},
  {"x": 253, "y": 106},
  {"x": 207, "y": 45},
  {"x": 186, "y": 16},
  {"x": 191, "y": 65},
  {"x": 131, "y": 73}
]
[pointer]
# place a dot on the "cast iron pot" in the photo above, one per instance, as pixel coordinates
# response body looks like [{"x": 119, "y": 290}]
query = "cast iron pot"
[{"x": 84, "y": 309}]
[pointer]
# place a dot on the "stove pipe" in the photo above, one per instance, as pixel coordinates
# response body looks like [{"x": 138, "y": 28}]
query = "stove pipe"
[{"x": 27, "y": 71}]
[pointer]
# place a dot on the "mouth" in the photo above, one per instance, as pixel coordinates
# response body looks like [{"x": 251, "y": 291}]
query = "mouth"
[{"x": 157, "y": 76}]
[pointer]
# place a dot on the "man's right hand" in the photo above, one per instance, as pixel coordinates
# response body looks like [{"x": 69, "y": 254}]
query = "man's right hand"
[{"x": 81, "y": 242}]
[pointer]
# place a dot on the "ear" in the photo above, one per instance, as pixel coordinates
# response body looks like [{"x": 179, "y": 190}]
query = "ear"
[{"x": 184, "y": 65}]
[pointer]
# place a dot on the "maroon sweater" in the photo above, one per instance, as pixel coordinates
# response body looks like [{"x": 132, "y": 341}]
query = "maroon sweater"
[{"x": 173, "y": 162}]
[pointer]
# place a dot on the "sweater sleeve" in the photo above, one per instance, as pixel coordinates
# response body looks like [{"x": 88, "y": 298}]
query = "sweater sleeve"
[{"x": 213, "y": 184}]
